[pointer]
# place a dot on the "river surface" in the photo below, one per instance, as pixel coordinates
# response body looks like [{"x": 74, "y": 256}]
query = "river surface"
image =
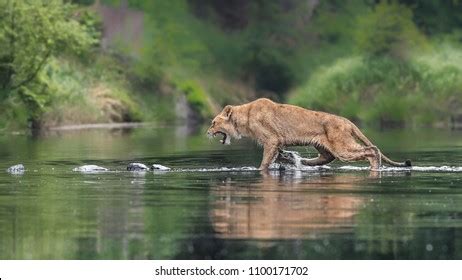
[{"x": 214, "y": 205}]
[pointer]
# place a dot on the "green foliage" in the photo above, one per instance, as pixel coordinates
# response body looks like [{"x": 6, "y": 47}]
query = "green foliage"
[
  {"x": 436, "y": 16},
  {"x": 13, "y": 113},
  {"x": 441, "y": 72},
  {"x": 30, "y": 34},
  {"x": 87, "y": 95},
  {"x": 92, "y": 24},
  {"x": 335, "y": 22},
  {"x": 83, "y": 2},
  {"x": 339, "y": 56},
  {"x": 196, "y": 97},
  {"x": 171, "y": 41},
  {"x": 421, "y": 91},
  {"x": 388, "y": 30},
  {"x": 33, "y": 31},
  {"x": 182, "y": 46}
]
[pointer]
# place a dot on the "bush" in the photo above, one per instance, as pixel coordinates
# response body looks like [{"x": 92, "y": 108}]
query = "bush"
[
  {"x": 196, "y": 97},
  {"x": 383, "y": 90},
  {"x": 79, "y": 95}
]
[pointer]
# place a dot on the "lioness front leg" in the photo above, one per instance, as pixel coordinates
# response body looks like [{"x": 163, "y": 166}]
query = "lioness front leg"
[{"x": 269, "y": 154}]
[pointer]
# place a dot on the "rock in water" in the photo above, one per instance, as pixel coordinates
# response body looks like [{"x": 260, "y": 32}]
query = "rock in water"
[
  {"x": 289, "y": 158},
  {"x": 137, "y": 167},
  {"x": 16, "y": 169},
  {"x": 90, "y": 168},
  {"x": 158, "y": 167}
]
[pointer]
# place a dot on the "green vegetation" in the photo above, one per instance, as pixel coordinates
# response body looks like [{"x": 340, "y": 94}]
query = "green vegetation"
[
  {"x": 196, "y": 97},
  {"x": 388, "y": 30},
  {"x": 30, "y": 34},
  {"x": 407, "y": 79},
  {"x": 58, "y": 66},
  {"x": 87, "y": 94},
  {"x": 418, "y": 91}
]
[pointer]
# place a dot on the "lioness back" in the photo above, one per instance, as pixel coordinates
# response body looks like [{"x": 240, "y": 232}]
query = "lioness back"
[{"x": 292, "y": 124}]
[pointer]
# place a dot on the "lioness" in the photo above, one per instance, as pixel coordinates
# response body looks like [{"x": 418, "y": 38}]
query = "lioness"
[{"x": 275, "y": 126}]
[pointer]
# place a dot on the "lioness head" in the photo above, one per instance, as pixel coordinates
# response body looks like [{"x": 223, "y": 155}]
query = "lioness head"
[{"x": 223, "y": 125}]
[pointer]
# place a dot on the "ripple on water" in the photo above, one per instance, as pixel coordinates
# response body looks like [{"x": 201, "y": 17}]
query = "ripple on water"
[
  {"x": 443, "y": 168},
  {"x": 288, "y": 167}
]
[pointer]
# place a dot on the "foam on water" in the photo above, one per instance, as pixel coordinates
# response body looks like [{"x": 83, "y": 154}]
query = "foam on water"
[
  {"x": 288, "y": 167},
  {"x": 276, "y": 166},
  {"x": 297, "y": 165},
  {"x": 443, "y": 168}
]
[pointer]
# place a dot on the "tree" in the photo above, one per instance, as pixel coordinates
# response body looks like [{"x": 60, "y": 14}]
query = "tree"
[{"x": 30, "y": 33}]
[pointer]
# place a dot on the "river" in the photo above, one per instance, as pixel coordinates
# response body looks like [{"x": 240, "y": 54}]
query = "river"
[{"x": 213, "y": 204}]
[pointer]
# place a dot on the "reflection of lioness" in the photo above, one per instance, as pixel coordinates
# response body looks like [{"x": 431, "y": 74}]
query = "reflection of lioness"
[{"x": 276, "y": 125}]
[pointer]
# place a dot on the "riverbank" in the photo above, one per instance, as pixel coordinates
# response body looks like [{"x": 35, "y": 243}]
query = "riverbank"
[{"x": 396, "y": 74}]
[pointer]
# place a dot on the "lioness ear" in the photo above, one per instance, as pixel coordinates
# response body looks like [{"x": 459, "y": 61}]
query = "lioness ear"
[{"x": 227, "y": 111}]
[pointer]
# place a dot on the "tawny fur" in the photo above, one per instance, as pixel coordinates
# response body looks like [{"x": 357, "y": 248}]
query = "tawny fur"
[{"x": 275, "y": 126}]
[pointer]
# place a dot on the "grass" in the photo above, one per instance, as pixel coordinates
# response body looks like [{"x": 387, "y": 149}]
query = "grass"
[
  {"x": 423, "y": 90},
  {"x": 83, "y": 94},
  {"x": 73, "y": 92}
]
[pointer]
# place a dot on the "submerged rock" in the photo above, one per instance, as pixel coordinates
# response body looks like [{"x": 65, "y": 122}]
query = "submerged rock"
[
  {"x": 158, "y": 167},
  {"x": 90, "y": 168},
  {"x": 16, "y": 169},
  {"x": 288, "y": 157},
  {"x": 135, "y": 166}
]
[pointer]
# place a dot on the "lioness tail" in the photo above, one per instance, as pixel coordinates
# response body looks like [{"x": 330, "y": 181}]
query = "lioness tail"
[
  {"x": 358, "y": 134},
  {"x": 406, "y": 163}
]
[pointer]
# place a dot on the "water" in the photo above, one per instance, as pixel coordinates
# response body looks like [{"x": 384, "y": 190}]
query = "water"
[{"x": 215, "y": 205}]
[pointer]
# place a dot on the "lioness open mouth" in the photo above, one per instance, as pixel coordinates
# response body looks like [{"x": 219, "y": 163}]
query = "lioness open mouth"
[{"x": 225, "y": 139}]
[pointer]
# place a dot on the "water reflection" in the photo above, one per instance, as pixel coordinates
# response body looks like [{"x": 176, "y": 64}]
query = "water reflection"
[{"x": 285, "y": 206}]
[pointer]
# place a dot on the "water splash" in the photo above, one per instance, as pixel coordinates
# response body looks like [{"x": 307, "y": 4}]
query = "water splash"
[
  {"x": 291, "y": 160},
  {"x": 443, "y": 168},
  {"x": 288, "y": 167},
  {"x": 288, "y": 161}
]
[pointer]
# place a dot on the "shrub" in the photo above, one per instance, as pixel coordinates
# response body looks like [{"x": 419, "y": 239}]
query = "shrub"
[
  {"x": 196, "y": 97},
  {"x": 383, "y": 90}
]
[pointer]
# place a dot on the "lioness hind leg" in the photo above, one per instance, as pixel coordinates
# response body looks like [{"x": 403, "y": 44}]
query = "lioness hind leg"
[
  {"x": 323, "y": 158},
  {"x": 356, "y": 153},
  {"x": 374, "y": 156},
  {"x": 320, "y": 160}
]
